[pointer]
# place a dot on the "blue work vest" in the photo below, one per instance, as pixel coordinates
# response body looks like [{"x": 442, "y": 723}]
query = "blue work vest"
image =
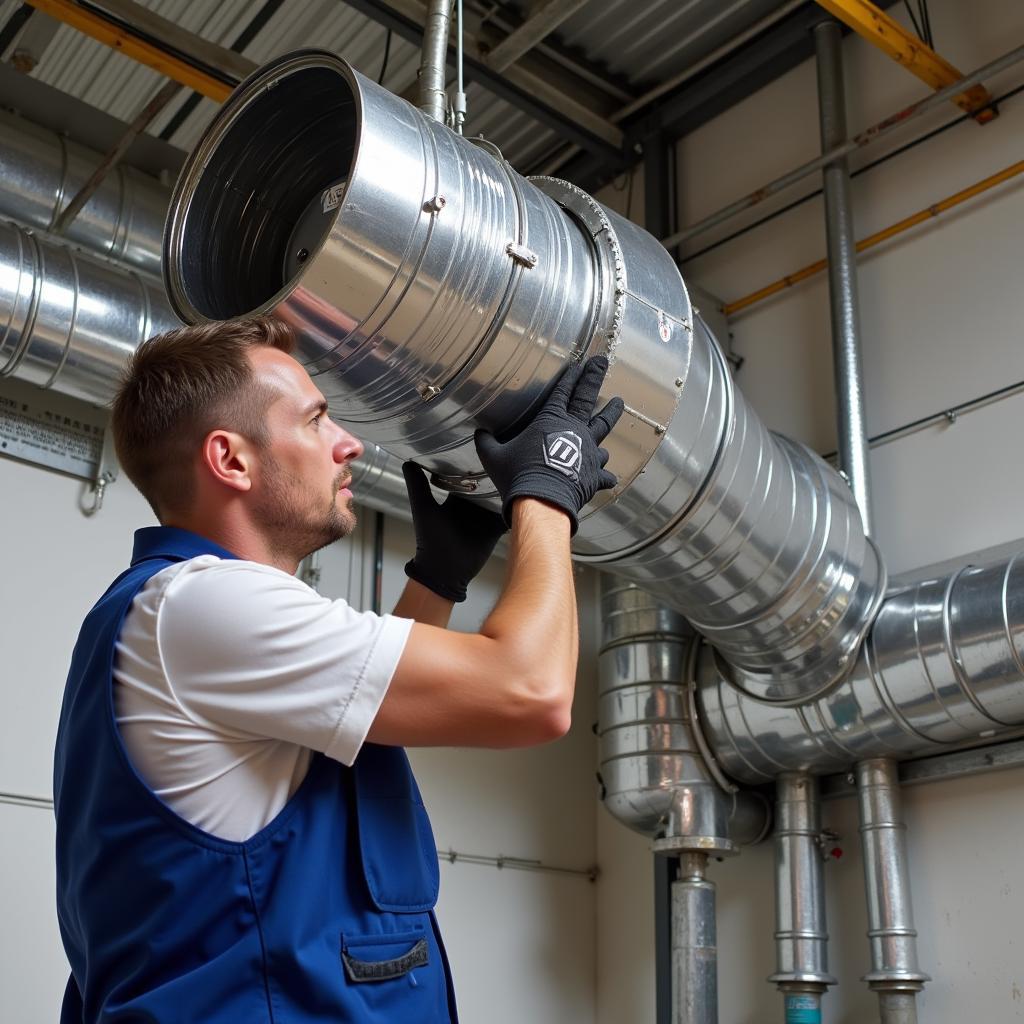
[{"x": 324, "y": 915}]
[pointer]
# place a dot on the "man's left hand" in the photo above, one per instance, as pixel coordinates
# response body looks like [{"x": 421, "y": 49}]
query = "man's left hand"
[{"x": 454, "y": 539}]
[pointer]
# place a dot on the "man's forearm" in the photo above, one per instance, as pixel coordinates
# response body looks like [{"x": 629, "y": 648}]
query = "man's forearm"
[
  {"x": 421, "y": 604},
  {"x": 535, "y": 618}
]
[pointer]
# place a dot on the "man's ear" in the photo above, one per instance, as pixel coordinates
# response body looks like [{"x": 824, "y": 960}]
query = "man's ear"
[{"x": 229, "y": 459}]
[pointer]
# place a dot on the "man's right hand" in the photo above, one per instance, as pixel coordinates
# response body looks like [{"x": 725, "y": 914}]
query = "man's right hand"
[{"x": 557, "y": 457}]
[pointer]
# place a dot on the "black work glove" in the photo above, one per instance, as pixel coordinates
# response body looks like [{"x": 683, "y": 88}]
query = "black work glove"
[
  {"x": 556, "y": 458},
  {"x": 453, "y": 539}
]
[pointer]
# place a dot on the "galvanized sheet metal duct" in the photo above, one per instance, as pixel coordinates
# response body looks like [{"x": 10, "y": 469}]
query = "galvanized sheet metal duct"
[
  {"x": 435, "y": 291},
  {"x": 943, "y": 664},
  {"x": 40, "y": 171},
  {"x": 654, "y": 778},
  {"x": 69, "y": 321}
]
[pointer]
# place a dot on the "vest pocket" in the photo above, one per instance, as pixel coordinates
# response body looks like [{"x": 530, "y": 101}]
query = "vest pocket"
[
  {"x": 371, "y": 958},
  {"x": 396, "y": 843}
]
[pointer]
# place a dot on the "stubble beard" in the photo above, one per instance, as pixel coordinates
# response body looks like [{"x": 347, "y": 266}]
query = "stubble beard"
[{"x": 295, "y": 518}]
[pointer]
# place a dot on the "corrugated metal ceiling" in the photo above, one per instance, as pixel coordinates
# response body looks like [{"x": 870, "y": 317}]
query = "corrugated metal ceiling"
[{"x": 631, "y": 42}]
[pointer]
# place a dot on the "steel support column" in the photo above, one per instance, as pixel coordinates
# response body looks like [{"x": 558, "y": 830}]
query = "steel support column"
[{"x": 852, "y": 435}]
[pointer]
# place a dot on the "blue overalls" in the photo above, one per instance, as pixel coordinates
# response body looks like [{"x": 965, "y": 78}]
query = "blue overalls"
[{"x": 324, "y": 915}]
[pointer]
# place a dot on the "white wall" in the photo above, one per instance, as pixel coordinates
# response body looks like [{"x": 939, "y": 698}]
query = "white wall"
[
  {"x": 521, "y": 942},
  {"x": 941, "y": 309}
]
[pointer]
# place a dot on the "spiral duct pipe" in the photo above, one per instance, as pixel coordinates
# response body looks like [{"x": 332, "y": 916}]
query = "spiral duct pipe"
[
  {"x": 653, "y": 775},
  {"x": 943, "y": 664},
  {"x": 435, "y": 291},
  {"x": 40, "y": 172},
  {"x": 69, "y": 321}
]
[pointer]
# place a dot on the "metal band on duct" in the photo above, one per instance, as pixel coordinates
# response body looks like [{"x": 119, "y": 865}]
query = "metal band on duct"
[
  {"x": 944, "y": 664},
  {"x": 68, "y": 321},
  {"x": 41, "y": 170},
  {"x": 435, "y": 291}
]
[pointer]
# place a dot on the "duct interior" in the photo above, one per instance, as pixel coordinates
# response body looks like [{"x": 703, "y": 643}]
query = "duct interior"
[{"x": 435, "y": 291}]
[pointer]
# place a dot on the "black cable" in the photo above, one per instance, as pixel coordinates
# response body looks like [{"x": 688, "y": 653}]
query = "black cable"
[
  {"x": 860, "y": 170},
  {"x": 629, "y": 194},
  {"x": 247, "y": 35},
  {"x": 387, "y": 55},
  {"x": 926, "y": 22},
  {"x": 914, "y": 21}
]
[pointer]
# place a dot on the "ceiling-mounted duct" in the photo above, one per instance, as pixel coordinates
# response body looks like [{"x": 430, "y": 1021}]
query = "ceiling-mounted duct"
[{"x": 435, "y": 291}]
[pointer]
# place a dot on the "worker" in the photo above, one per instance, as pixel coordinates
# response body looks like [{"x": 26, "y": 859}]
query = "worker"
[{"x": 239, "y": 835}]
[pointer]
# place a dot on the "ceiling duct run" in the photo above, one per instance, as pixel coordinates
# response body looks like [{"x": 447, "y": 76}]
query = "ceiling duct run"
[{"x": 435, "y": 291}]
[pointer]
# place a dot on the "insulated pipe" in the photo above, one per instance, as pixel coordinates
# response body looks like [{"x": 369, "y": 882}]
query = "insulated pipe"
[
  {"x": 434, "y": 292},
  {"x": 40, "y": 171},
  {"x": 694, "y": 944},
  {"x": 801, "y": 935},
  {"x": 433, "y": 100},
  {"x": 895, "y": 974},
  {"x": 841, "y": 244},
  {"x": 943, "y": 664}
]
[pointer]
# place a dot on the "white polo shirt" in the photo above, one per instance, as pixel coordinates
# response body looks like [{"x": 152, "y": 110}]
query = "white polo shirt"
[{"x": 229, "y": 674}]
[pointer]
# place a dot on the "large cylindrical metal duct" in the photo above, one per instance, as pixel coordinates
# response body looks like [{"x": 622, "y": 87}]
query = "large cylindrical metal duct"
[
  {"x": 944, "y": 664},
  {"x": 40, "y": 172},
  {"x": 654, "y": 777},
  {"x": 68, "y": 321},
  {"x": 435, "y": 291}
]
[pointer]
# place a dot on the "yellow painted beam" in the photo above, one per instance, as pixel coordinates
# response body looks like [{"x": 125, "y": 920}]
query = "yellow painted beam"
[
  {"x": 140, "y": 50},
  {"x": 905, "y": 48}
]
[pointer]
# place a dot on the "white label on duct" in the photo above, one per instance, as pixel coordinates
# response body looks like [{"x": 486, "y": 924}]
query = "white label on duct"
[
  {"x": 332, "y": 196},
  {"x": 36, "y": 431}
]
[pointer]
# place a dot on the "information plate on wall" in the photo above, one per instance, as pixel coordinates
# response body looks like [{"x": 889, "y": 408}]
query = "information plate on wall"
[{"x": 50, "y": 430}]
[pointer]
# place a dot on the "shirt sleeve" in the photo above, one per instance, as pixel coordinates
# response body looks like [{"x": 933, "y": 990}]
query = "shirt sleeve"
[{"x": 249, "y": 649}]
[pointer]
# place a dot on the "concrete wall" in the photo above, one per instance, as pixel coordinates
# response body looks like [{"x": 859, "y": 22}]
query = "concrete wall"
[
  {"x": 521, "y": 943},
  {"x": 941, "y": 309}
]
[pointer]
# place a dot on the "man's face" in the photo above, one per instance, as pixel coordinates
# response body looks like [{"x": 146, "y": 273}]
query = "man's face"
[{"x": 301, "y": 498}]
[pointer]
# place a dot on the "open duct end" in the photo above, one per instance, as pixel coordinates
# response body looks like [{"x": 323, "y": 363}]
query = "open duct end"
[{"x": 262, "y": 190}]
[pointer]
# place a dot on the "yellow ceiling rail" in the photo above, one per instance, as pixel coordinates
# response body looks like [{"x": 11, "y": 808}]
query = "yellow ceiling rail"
[
  {"x": 905, "y": 48},
  {"x": 119, "y": 38},
  {"x": 731, "y": 308}
]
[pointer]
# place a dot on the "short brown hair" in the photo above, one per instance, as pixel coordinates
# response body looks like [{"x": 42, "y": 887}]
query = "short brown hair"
[{"x": 179, "y": 386}]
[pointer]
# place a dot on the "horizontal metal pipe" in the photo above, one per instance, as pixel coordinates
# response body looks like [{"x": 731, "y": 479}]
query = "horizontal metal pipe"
[
  {"x": 943, "y": 664},
  {"x": 865, "y": 138},
  {"x": 434, "y": 292},
  {"x": 69, "y": 321},
  {"x": 41, "y": 170}
]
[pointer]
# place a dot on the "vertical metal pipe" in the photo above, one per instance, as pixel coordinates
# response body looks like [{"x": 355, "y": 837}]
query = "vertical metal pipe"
[
  {"x": 801, "y": 936},
  {"x": 432, "y": 98},
  {"x": 842, "y": 272},
  {"x": 694, "y": 944},
  {"x": 895, "y": 974}
]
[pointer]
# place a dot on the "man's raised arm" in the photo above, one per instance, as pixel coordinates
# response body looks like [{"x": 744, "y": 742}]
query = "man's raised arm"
[{"x": 512, "y": 683}]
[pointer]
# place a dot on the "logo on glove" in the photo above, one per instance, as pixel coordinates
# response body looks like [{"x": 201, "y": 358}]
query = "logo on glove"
[{"x": 564, "y": 451}]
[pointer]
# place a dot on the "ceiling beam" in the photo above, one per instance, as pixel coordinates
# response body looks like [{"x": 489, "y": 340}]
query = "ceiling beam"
[
  {"x": 889, "y": 36},
  {"x": 523, "y": 85},
  {"x": 160, "y": 44},
  {"x": 537, "y": 27}
]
